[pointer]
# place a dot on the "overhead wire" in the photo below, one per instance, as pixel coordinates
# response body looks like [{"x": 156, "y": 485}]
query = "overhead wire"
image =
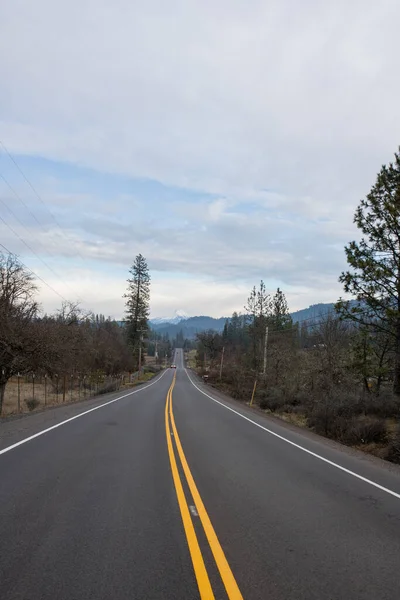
[
  {"x": 37, "y": 195},
  {"x": 5, "y": 149},
  {"x": 30, "y": 233},
  {"x": 315, "y": 322},
  {"x": 33, "y": 272},
  {"x": 22, "y": 202},
  {"x": 26, "y": 244},
  {"x": 30, "y": 247}
]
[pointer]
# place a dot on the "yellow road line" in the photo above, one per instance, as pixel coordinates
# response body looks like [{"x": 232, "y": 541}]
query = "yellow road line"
[
  {"x": 227, "y": 576},
  {"x": 200, "y": 571}
]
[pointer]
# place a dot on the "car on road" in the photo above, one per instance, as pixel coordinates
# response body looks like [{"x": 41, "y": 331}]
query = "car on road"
[{"x": 173, "y": 366}]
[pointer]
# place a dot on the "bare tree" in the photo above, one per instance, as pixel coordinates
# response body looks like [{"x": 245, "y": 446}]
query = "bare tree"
[{"x": 18, "y": 310}]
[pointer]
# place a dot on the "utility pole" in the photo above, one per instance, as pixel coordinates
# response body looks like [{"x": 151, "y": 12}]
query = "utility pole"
[
  {"x": 265, "y": 352},
  {"x": 222, "y": 362}
]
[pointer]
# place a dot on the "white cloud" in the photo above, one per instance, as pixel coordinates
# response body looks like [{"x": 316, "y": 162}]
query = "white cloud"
[
  {"x": 220, "y": 96},
  {"x": 290, "y": 107}
]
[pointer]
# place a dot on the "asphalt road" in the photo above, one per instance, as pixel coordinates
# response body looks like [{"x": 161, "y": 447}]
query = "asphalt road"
[{"x": 169, "y": 493}]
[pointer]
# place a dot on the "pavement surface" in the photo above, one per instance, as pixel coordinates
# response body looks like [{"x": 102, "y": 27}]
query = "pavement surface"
[{"x": 173, "y": 491}]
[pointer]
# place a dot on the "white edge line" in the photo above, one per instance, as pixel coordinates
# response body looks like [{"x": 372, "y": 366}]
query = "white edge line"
[
  {"x": 281, "y": 437},
  {"x": 86, "y": 412}
]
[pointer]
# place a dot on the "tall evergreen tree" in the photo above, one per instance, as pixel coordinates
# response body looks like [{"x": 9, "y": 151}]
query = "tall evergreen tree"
[
  {"x": 280, "y": 317},
  {"x": 263, "y": 301},
  {"x": 138, "y": 304},
  {"x": 258, "y": 310},
  {"x": 374, "y": 275}
]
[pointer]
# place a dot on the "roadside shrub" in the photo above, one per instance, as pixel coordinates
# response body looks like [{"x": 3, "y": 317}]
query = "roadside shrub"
[
  {"x": 150, "y": 369},
  {"x": 328, "y": 421},
  {"x": 271, "y": 399},
  {"x": 365, "y": 431},
  {"x": 299, "y": 398},
  {"x": 393, "y": 452},
  {"x": 285, "y": 408},
  {"x": 323, "y": 420},
  {"x": 108, "y": 388},
  {"x": 384, "y": 405},
  {"x": 32, "y": 403}
]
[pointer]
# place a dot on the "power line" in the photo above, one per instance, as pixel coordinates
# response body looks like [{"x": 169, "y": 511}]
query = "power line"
[
  {"x": 16, "y": 217},
  {"x": 29, "y": 232},
  {"x": 33, "y": 273},
  {"x": 22, "y": 202},
  {"x": 315, "y": 322},
  {"x": 33, "y": 251},
  {"x": 37, "y": 195}
]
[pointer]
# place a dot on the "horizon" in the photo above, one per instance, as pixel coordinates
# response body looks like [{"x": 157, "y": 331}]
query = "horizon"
[{"x": 151, "y": 318}]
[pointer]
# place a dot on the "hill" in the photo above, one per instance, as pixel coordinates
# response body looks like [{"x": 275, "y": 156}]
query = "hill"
[
  {"x": 189, "y": 326},
  {"x": 313, "y": 312},
  {"x": 192, "y": 325}
]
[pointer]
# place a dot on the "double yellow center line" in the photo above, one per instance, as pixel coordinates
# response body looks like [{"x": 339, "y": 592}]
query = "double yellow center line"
[{"x": 203, "y": 580}]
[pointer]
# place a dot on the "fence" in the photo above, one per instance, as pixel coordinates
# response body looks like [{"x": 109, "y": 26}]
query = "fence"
[{"x": 25, "y": 393}]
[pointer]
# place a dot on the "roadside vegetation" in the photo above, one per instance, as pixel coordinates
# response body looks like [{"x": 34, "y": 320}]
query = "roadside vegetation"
[
  {"x": 71, "y": 354},
  {"x": 339, "y": 374}
]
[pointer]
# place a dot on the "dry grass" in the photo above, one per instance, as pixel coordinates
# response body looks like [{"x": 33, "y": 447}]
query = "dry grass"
[
  {"x": 298, "y": 419},
  {"x": 45, "y": 395}
]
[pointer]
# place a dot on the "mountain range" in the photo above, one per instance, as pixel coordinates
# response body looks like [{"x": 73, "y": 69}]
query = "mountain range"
[
  {"x": 179, "y": 316},
  {"x": 189, "y": 326}
]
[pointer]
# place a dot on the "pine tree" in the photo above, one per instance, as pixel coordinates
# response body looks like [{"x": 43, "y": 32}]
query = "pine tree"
[
  {"x": 138, "y": 304},
  {"x": 258, "y": 310},
  {"x": 225, "y": 333},
  {"x": 280, "y": 318},
  {"x": 263, "y": 304},
  {"x": 374, "y": 278}
]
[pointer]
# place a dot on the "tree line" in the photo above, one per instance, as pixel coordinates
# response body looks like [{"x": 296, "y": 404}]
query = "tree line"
[
  {"x": 339, "y": 374},
  {"x": 71, "y": 341}
]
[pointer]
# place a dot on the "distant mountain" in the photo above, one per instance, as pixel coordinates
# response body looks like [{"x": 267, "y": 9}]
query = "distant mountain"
[
  {"x": 313, "y": 312},
  {"x": 189, "y": 326},
  {"x": 179, "y": 316}
]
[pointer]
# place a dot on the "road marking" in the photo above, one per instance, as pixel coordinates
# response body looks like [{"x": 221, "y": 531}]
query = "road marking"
[
  {"x": 193, "y": 510},
  {"x": 310, "y": 452},
  {"x": 199, "y": 567},
  {"x": 86, "y": 412},
  {"x": 224, "y": 569}
]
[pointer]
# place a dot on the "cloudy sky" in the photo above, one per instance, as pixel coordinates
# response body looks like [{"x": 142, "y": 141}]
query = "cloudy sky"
[{"x": 225, "y": 140}]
